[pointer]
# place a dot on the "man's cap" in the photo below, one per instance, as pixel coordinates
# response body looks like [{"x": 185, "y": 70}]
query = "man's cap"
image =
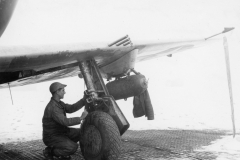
[{"x": 56, "y": 86}]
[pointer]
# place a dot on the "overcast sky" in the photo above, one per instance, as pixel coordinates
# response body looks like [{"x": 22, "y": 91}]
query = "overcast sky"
[{"x": 64, "y": 21}]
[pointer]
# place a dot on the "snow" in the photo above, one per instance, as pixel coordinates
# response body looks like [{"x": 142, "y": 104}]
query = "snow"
[{"x": 226, "y": 148}]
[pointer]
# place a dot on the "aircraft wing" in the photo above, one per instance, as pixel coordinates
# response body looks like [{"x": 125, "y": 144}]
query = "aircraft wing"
[{"x": 21, "y": 65}]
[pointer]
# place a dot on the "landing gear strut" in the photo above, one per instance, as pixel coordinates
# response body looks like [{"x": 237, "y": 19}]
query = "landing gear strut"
[{"x": 101, "y": 129}]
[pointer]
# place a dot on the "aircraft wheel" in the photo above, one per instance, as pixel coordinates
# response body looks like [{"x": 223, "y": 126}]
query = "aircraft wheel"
[{"x": 100, "y": 137}]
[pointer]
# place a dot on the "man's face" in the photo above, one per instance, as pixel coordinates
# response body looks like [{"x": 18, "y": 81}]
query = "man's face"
[{"x": 61, "y": 93}]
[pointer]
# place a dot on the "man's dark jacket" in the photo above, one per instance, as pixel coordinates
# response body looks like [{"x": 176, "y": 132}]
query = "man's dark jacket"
[{"x": 54, "y": 119}]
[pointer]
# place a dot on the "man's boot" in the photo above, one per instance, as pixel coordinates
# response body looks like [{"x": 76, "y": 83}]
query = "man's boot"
[
  {"x": 47, "y": 153},
  {"x": 64, "y": 157}
]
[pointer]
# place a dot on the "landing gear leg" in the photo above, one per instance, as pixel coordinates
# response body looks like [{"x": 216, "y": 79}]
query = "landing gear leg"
[{"x": 101, "y": 130}]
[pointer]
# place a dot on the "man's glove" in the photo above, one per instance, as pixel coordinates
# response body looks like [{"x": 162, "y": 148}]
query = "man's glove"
[
  {"x": 84, "y": 114},
  {"x": 85, "y": 98}
]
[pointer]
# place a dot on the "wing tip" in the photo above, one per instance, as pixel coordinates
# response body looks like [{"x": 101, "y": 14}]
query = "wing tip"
[{"x": 226, "y": 29}]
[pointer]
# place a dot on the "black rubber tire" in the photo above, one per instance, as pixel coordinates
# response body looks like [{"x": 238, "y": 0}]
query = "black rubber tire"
[{"x": 100, "y": 137}]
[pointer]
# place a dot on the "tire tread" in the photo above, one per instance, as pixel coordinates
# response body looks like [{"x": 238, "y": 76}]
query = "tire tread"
[{"x": 111, "y": 132}]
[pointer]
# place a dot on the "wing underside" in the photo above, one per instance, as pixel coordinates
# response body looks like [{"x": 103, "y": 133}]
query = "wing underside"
[{"x": 27, "y": 65}]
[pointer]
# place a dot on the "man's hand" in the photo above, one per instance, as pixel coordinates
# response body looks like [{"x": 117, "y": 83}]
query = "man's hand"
[
  {"x": 84, "y": 98},
  {"x": 84, "y": 115},
  {"x": 85, "y": 95}
]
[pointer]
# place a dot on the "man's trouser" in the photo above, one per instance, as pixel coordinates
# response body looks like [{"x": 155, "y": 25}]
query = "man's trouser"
[{"x": 64, "y": 145}]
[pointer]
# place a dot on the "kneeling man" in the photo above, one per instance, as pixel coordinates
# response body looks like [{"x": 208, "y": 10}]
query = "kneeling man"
[{"x": 61, "y": 141}]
